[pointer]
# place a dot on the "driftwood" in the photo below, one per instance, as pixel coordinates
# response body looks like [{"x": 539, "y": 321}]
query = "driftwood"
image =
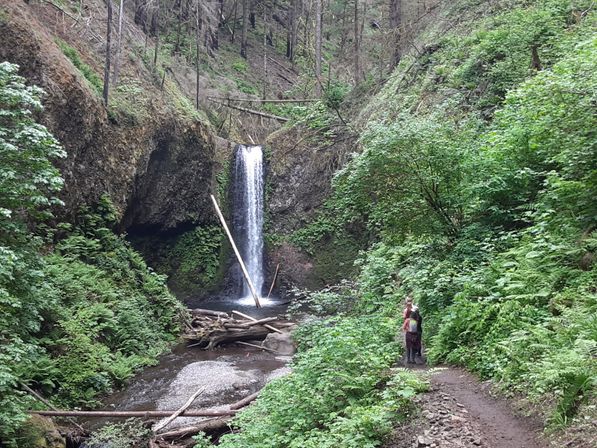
[
  {"x": 253, "y": 112},
  {"x": 208, "y": 426},
  {"x": 139, "y": 414},
  {"x": 209, "y": 329},
  {"x": 269, "y": 327},
  {"x": 257, "y": 346},
  {"x": 202, "y": 312},
  {"x": 255, "y": 100},
  {"x": 245, "y": 401},
  {"x": 170, "y": 419},
  {"x": 48, "y": 404},
  {"x": 236, "y": 252},
  {"x": 271, "y": 288}
]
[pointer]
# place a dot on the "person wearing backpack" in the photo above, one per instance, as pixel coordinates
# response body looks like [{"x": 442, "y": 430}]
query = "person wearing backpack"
[{"x": 412, "y": 336}]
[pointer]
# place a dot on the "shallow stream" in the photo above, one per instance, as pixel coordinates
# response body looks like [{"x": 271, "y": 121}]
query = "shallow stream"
[{"x": 228, "y": 373}]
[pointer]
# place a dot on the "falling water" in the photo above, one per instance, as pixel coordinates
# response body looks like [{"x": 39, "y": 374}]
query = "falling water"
[{"x": 248, "y": 220}]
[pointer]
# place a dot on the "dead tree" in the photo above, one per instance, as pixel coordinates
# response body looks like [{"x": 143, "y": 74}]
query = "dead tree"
[
  {"x": 106, "y": 90},
  {"x": 395, "y": 22},
  {"x": 118, "y": 44},
  {"x": 318, "y": 13},
  {"x": 243, "y": 36},
  {"x": 357, "y": 44}
]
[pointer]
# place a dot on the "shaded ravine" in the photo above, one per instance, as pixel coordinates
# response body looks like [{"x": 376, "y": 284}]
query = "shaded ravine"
[{"x": 459, "y": 411}]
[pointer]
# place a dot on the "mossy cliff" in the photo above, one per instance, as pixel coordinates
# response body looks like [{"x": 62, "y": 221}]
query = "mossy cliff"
[{"x": 152, "y": 155}]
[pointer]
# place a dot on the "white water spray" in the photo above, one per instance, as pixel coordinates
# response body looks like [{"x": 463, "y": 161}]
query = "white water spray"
[{"x": 248, "y": 173}]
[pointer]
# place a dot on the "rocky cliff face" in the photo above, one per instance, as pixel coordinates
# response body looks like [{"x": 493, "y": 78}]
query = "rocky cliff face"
[
  {"x": 157, "y": 169},
  {"x": 299, "y": 180}
]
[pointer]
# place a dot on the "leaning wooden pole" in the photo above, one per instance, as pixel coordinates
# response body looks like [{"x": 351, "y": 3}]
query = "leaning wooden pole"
[{"x": 236, "y": 252}]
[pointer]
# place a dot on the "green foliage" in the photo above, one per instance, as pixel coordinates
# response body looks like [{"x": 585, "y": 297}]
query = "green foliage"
[
  {"x": 240, "y": 65},
  {"x": 128, "y": 103},
  {"x": 87, "y": 71},
  {"x": 477, "y": 179},
  {"x": 130, "y": 434},
  {"x": 334, "y": 395},
  {"x": 197, "y": 254},
  {"x": 28, "y": 184},
  {"x": 331, "y": 300},
  {"x": 79, "y": 313},
  {"x": 244, "y": 87}
]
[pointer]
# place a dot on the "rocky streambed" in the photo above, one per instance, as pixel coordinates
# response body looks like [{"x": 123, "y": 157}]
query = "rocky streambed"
[{"x": 224, "y": 375}]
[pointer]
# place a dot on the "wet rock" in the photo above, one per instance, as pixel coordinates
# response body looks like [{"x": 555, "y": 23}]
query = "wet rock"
[{"x": 280, "y": 342}]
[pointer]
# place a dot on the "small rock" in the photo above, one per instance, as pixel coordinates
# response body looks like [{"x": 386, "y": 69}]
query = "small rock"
[
  {"x": 458, "y": 419},
  {"x": 424, "y": 441}
]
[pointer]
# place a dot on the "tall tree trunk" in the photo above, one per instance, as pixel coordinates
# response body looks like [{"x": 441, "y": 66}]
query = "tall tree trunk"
[
  {"x": 178, "y": 26},
  {"x": 357, "y": 45},
  {"x": 395, "y": 24},
  {"x": 108, "y": 50},
  {"x": 318, "y": 13},
  {"x": 234, "y": 21},
  {"x": 118, "y": 45},
  {"x": 197, "y": 47},
  {"x": 252, "y": 18},
  {"x": 343, "y": 32},
  {"x": 243, "y": 37},
  {"x": 265, "y": 34},
  {"x": 290, "y": 27},
  {"x": 157, "y": 34}
]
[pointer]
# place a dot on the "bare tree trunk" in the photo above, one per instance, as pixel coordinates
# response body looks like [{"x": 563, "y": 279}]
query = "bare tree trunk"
[
  {"x": 234, "y": 21},
  {"x": 178, "y": 27},
  {"x": 243, "y": 37},
  {"x": 395, "y": 24},
  {"x": 357, "y": 45},
  {"x": 318, "y": 13},
  {"x": 108, "y": 50},
  {"x": 197, "y": 47},
  {"x": 157, "y": 34},
  {"x": 343, "y": 32},
  {"x": 252, "y": 17},
  {"x": 265, "y": 34},
  {"x": 118, "y": 45},
  {"x": 290, "y": 25}
]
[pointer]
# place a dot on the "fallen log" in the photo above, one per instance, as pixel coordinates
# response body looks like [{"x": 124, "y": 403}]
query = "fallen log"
[
  {"x": 169, "y": 420},
  {"x": 50, "y": 405},
  {"x": 209, "y": 313},
  {"x": 245, "y": 401},
  {"x": 254, "y": 112},
  {"x": 269, "y": 327},
  {"x": 139, "y": 414},
  {"x": 267, "y": 349},
  {"x": 207, "y": 426}
]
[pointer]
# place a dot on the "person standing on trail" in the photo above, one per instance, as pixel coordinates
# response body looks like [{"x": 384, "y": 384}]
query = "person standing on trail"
[
  {"x": 408, "y": 310},
  {"x": 412, "y": 336},
  {"x": 410, "y": 306}
]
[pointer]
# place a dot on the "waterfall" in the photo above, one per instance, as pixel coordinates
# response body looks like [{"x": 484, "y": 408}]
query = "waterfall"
[{"x": 248, "y": 213}]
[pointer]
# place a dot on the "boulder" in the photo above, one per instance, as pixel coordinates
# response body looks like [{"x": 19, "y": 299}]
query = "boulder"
[
  {"x": 41, "y": 432},
  {"x": 280, "y": 342}
]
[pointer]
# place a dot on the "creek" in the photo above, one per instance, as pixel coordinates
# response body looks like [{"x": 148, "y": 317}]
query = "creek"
[{"x": 231, "y": 372}]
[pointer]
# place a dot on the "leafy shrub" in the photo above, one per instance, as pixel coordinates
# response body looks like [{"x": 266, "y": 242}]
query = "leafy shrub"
[
  {"x": 87, "y": 71},
  {"x": 333, "y": 397}
]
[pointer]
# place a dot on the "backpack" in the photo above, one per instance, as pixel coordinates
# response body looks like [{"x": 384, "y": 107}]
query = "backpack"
[{"x": 413, "y": 325}]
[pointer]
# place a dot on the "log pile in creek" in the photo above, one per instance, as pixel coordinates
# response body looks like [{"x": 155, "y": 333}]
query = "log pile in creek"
[{"x": 208, "y": 329}]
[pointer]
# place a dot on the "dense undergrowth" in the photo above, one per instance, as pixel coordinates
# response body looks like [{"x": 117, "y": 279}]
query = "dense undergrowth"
[
  {"x": 80, "y": 310},
  {"x": 343, "y": 389},
  {"x": 476, "y": 182}
]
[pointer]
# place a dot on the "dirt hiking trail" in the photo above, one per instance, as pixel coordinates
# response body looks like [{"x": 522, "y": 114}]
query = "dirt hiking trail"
[{"x": 458, "y": 411}]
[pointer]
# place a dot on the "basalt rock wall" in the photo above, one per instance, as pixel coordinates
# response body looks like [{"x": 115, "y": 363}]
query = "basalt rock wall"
[{"x": 158, "y": 171}]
